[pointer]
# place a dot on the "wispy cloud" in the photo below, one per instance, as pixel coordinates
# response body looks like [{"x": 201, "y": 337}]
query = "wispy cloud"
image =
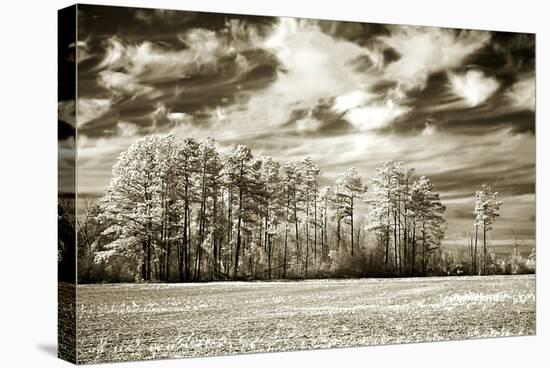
[
  {"x": 127, "y": 129},
  {"x": 427, "y": 50},
  {"x": 89, "y": 109},
  {"x": 522, "y": 93},
  {"x": 473, "y": 87},
  {"x": 124, "y": 85},
  {"x": 199, "y": 52},
  {"x": 308, "y": 124},
  {"x": 375, "y": 116}
]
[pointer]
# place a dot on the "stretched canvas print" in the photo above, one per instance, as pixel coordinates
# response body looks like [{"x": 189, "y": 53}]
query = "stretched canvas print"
[{"x": 235, "y": 183}]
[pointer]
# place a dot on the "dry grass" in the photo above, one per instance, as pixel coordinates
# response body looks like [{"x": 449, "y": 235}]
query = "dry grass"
[{"x": 134, "y": 322}]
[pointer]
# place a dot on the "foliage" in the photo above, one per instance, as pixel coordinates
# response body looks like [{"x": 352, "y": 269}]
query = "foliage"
[{"x": 188, "y": 210}]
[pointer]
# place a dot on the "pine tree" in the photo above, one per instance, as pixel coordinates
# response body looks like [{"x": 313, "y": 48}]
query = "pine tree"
[
  {"x": 385, "y": 187},
  {"x": 350, "y": 188},
  {"x": 131, "y": 204},
  {"x": 310, "y": 172},
  {"x": 486, "y": 210},
  {"x": 209, "y": 182},
  {"x": 238, "y": 169},
  {"x": 292, "y": 177},
  {"x": 427, "y": 212},
  {"x": 272, "y": 206},
  {"x": 325, "y": 199},
  {"x": 186, "y": 171},
  {"x": 218, "y": 211}
]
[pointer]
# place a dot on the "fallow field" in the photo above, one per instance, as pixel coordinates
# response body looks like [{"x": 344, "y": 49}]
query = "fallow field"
[{"x": 145, "y": 321}]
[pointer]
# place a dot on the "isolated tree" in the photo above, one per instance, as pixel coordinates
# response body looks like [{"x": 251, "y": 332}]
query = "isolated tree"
[{"x": 486, "y": 210}]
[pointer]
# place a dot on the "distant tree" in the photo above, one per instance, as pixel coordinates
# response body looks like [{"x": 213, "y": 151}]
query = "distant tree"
[
  {"x": 167, "y": 175},
  {"x": 292, "y": 177},
  {"x": 186, "y": 169},
  {"x": 325, "y": 199},
  {"x": 338, "y": 206},
  {"x": 89, "y": 231},
  {"x": 404, "y": 206},
  {"x": 427, "y": 212},
  {"x": 486, "y": 210},
  {"x": 273, "y": 204},
  {"x": 66, "y": 240},
  {"x": 385, "y": 186},
  {"x": 350, "y": 188},
  {"x": 239, "y": 170},
  {"x": 208, "y": 213},
  {"x": 209, "y": 183},
  {"x": 310, "y": 172},
  {"x": 130, "y": 205}
]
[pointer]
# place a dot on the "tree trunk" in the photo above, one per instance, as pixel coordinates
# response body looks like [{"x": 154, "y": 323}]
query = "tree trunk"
[
  {"x": 351, "y": 220},
  {"x": 144, "y": 264},
  {"x": 484, "y": 249},
  {"x": 229, "y": 227},
  {"x": 387, "y": 244},
  {"x": 405, "y": 244},
  {"x": 413, "y": 251},
  {"x": 471, "y": 254},
  {"x": 296, "y": 233},
  {"x": 286, "y": 236},
  {"x": 167, "y": 267},
  {"x": 338, "y": 235},
  {"x": 423, "y": 249},
  {"x": 307, "y": 233},
  {"x": 476, "y": 268},
  {"x": 315, "y": 231},
  {"x": 325, "y": 235},
  {"x": 269, "y": 250},
  {"x": 399, "y": 244},
  {"x": 239, "y": 221},
  {"x": 182, "y": 256},
  {"x": 266, "y": 230},
  {"x": 189, "y": 243},
  {"x": 148, "y": 258},
  {"x": 215, "y": 249},
  {"x": 396, "y": 253}
]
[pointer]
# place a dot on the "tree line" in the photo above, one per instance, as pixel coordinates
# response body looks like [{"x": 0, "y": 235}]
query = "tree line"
[{"x": 179, "y": 210}]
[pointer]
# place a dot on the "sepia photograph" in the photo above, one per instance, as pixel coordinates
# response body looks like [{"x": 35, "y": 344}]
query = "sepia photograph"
[{"x": 234, "y": 184}]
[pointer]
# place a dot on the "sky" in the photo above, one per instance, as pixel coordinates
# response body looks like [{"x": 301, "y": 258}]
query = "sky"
[{"x": 456, "y": 105}]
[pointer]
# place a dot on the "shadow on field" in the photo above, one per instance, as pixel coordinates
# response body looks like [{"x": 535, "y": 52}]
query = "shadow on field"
[{"x": 50, "y": 349}]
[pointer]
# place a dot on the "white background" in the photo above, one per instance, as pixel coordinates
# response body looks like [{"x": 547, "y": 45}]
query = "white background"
[{"x": 29, "y": 162}]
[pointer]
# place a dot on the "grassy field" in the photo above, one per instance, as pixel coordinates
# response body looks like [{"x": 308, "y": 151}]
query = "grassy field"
[{"x": 130, "y": 322}]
